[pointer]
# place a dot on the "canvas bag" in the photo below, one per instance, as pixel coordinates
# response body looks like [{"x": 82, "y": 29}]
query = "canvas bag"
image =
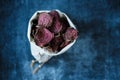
[{"x": 42, "y": 55}]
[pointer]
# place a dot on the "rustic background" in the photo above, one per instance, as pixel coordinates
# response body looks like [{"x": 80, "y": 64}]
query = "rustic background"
[{"x": 95, "y": 55}]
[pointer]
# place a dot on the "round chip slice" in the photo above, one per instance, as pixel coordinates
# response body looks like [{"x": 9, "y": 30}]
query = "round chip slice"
[
  {"x": 43, "y": 37},
  {"x": 70, "y": 34},
  {"x": 45, "y": 20}
]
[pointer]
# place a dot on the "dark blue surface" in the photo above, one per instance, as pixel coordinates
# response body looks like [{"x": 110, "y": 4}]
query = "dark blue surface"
[{"x": 95, "y": 55}]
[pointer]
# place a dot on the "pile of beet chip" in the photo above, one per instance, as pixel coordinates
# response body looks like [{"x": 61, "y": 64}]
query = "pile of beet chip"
[{"x": 51, "y": 31}]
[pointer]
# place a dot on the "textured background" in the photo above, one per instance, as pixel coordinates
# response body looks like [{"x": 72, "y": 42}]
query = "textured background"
[{"x": 95, "y": 55}]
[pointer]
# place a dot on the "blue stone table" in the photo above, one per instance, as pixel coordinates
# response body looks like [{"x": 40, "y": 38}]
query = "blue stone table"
[{"x": 95, "y": 55}]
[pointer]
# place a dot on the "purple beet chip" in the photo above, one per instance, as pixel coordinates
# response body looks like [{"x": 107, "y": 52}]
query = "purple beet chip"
[
  {"x": 45, "y": 20},
  {"x": 56, "y": 27},
  {"x": 55, "y": 15},
  {"x": 70, "y": 34},
  {"x": 65, "y": 24},
  {"x": 43, "y": 37},
  {"x": 64, "y": 27},
  {"x": 56, "y": 42},
  {"x": 65, "y": 43}
]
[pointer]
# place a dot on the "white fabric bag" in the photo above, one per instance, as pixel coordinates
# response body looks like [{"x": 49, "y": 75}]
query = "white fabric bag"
[{"x": 42, "y": 55}]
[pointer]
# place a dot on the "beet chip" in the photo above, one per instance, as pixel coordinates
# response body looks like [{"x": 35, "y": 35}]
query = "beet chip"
[
  {"x": 56, "y": 27},
  {"x": 65, "y": 24},
  {"x": 70, "y": 34},
  {"x": 56, "y": 42},
  {"x": 55, "y": 15},
  {"x": 65, "y": 43},
  {"x": 64, "y": 28},
  {"x": 43, "y": 37},
  {"x": 45, "y": 20}
]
